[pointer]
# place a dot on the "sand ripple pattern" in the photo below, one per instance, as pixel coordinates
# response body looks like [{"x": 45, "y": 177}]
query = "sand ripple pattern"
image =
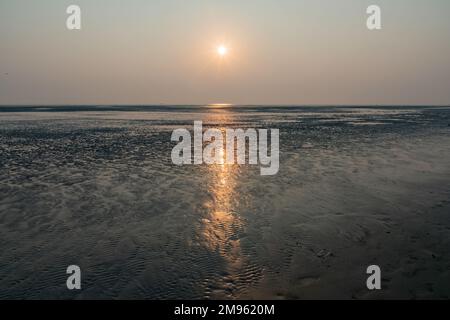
[{"x": 96, "y": 187}]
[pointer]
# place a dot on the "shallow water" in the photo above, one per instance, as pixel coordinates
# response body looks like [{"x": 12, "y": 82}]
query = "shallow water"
[{"x": 95, "y": 187}]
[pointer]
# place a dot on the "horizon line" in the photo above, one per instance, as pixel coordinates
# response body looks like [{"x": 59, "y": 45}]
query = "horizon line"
[{"x": 223, "y": 105}]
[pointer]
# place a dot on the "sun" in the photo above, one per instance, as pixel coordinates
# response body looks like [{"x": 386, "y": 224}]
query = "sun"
[{"x": 222, "y": 50}]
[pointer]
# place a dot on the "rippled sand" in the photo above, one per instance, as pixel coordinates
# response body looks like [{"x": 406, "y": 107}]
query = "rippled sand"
[{"x": 95, "y": 186}]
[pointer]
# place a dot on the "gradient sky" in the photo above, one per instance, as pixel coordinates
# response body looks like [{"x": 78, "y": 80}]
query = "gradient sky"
[{"x": 282, "y": 52}]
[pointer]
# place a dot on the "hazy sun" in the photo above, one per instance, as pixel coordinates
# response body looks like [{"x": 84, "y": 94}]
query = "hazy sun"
[{"x": 222, "y": 50}]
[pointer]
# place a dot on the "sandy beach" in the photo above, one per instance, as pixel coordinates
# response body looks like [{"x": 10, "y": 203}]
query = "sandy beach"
[{"x": 95, "y": 187}]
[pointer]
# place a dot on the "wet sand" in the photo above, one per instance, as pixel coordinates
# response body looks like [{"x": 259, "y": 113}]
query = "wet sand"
[{"x": 95, "y": 186}]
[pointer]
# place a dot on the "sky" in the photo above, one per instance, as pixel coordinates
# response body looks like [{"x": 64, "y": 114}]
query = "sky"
[{"x": 294, "y": 52}]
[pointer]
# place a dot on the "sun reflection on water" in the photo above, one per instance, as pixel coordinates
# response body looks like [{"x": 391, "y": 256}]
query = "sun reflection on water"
[
  {"x": 222, "y": 221},
  {"x": 222, "y": 225}
]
